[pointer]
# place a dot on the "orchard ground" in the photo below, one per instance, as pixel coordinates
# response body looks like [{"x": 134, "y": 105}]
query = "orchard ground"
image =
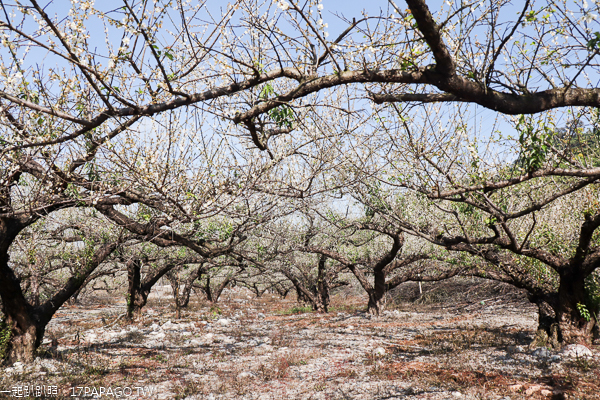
[{"x": 458, "y": 340}]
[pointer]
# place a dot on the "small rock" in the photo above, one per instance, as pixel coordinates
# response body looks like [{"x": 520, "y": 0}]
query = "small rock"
[
  {"x": 154, "y": 344},
  {"x": 91, "y": 337},
  {"x": 172, "y": 327},
  {"x": 260, "y": 315},
  {"x": 155, "y": 327},
  {"x": 577, "y": 350},
  {"x": 510, "y": 350},
  {"x": 555, "y": 358},
  {"x": 157, "y": 335},
  {"x": 515, "y": 388},
  {"x": 264, "y": 348},
  {"x": 379, "y": 351},
  {"x": 457, "y": 394},
  {"x": 49, "y": 365},
  {"x": 541, "y": 352},
  {"x": 111, "y": 335},
  {"x": 532, "y": 389},
  {"x": 224, "y": 321}
]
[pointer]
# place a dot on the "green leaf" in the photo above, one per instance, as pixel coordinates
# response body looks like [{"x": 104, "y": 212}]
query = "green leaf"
[{"x": 594, "y": 44}]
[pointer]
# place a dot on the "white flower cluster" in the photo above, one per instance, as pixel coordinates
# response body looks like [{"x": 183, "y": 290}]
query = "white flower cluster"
[
  {"x": 589, "y": 17},
  {"x": 283, "y": 5},
  {"x": 12, "y": 79}
]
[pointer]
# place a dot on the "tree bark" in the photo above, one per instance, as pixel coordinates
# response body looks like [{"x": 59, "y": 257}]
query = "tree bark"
[
  {"x": 376, "y": 303},
  {"x": 547, "y": 333},
  {"x": 575, "y": 327},
  {"x": 136, "y": 299},
  {"x": 182, "y": 295},
  {"x": 138, "y": 290},
  {"x": 317, "y": 294},
  {"x": 323, "y": 286},
  {"x": 20, "y": 317}
]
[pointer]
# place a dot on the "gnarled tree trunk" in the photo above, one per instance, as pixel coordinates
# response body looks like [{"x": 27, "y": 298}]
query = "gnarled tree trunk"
[
  {"x": 20, "y": 316},
  {"x": 182, "y": 295},
  {"x": 138, "y": 290},
  {"x": 27, "y": 326},
  {"x": 376, "y": 303},
  {"x": 213, "y": 293},
  {"x": 547, "y": 333},
  {"x": 574, "y": 320}
]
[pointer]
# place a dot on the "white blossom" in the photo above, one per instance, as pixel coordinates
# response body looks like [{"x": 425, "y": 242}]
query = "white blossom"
[
  {"x": 589, "y": 17},
  {"x": 283, "y": 5}
]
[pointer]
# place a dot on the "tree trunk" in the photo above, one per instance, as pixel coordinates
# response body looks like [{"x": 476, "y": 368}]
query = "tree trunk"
[
  {"x": 219, "y": 290},
  {"x": 138, "y": 291},
  {"x": 24, "y": 341},
  {"x": 575, "y": 324},
  {"x": 281, "y": 290},
  {"x": 189, "y": 284},
  {"x": 323, "y": 286},
  {"x": 322, "y": 304},
  {"x": 377, "y": 294},
  {"x": 182, "y": 295},
  {"x": 376, "y": 305},
  {"x": 547, "y": 333},
  {"x": 136, "y": 295},
  {"x": 175, "y": 288},
  {"x": 316, "y": 295},
  {"x": 27, "y": 324},
  {"x": 208, "y": 290},
  {"x": 19, "y": 314}
]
